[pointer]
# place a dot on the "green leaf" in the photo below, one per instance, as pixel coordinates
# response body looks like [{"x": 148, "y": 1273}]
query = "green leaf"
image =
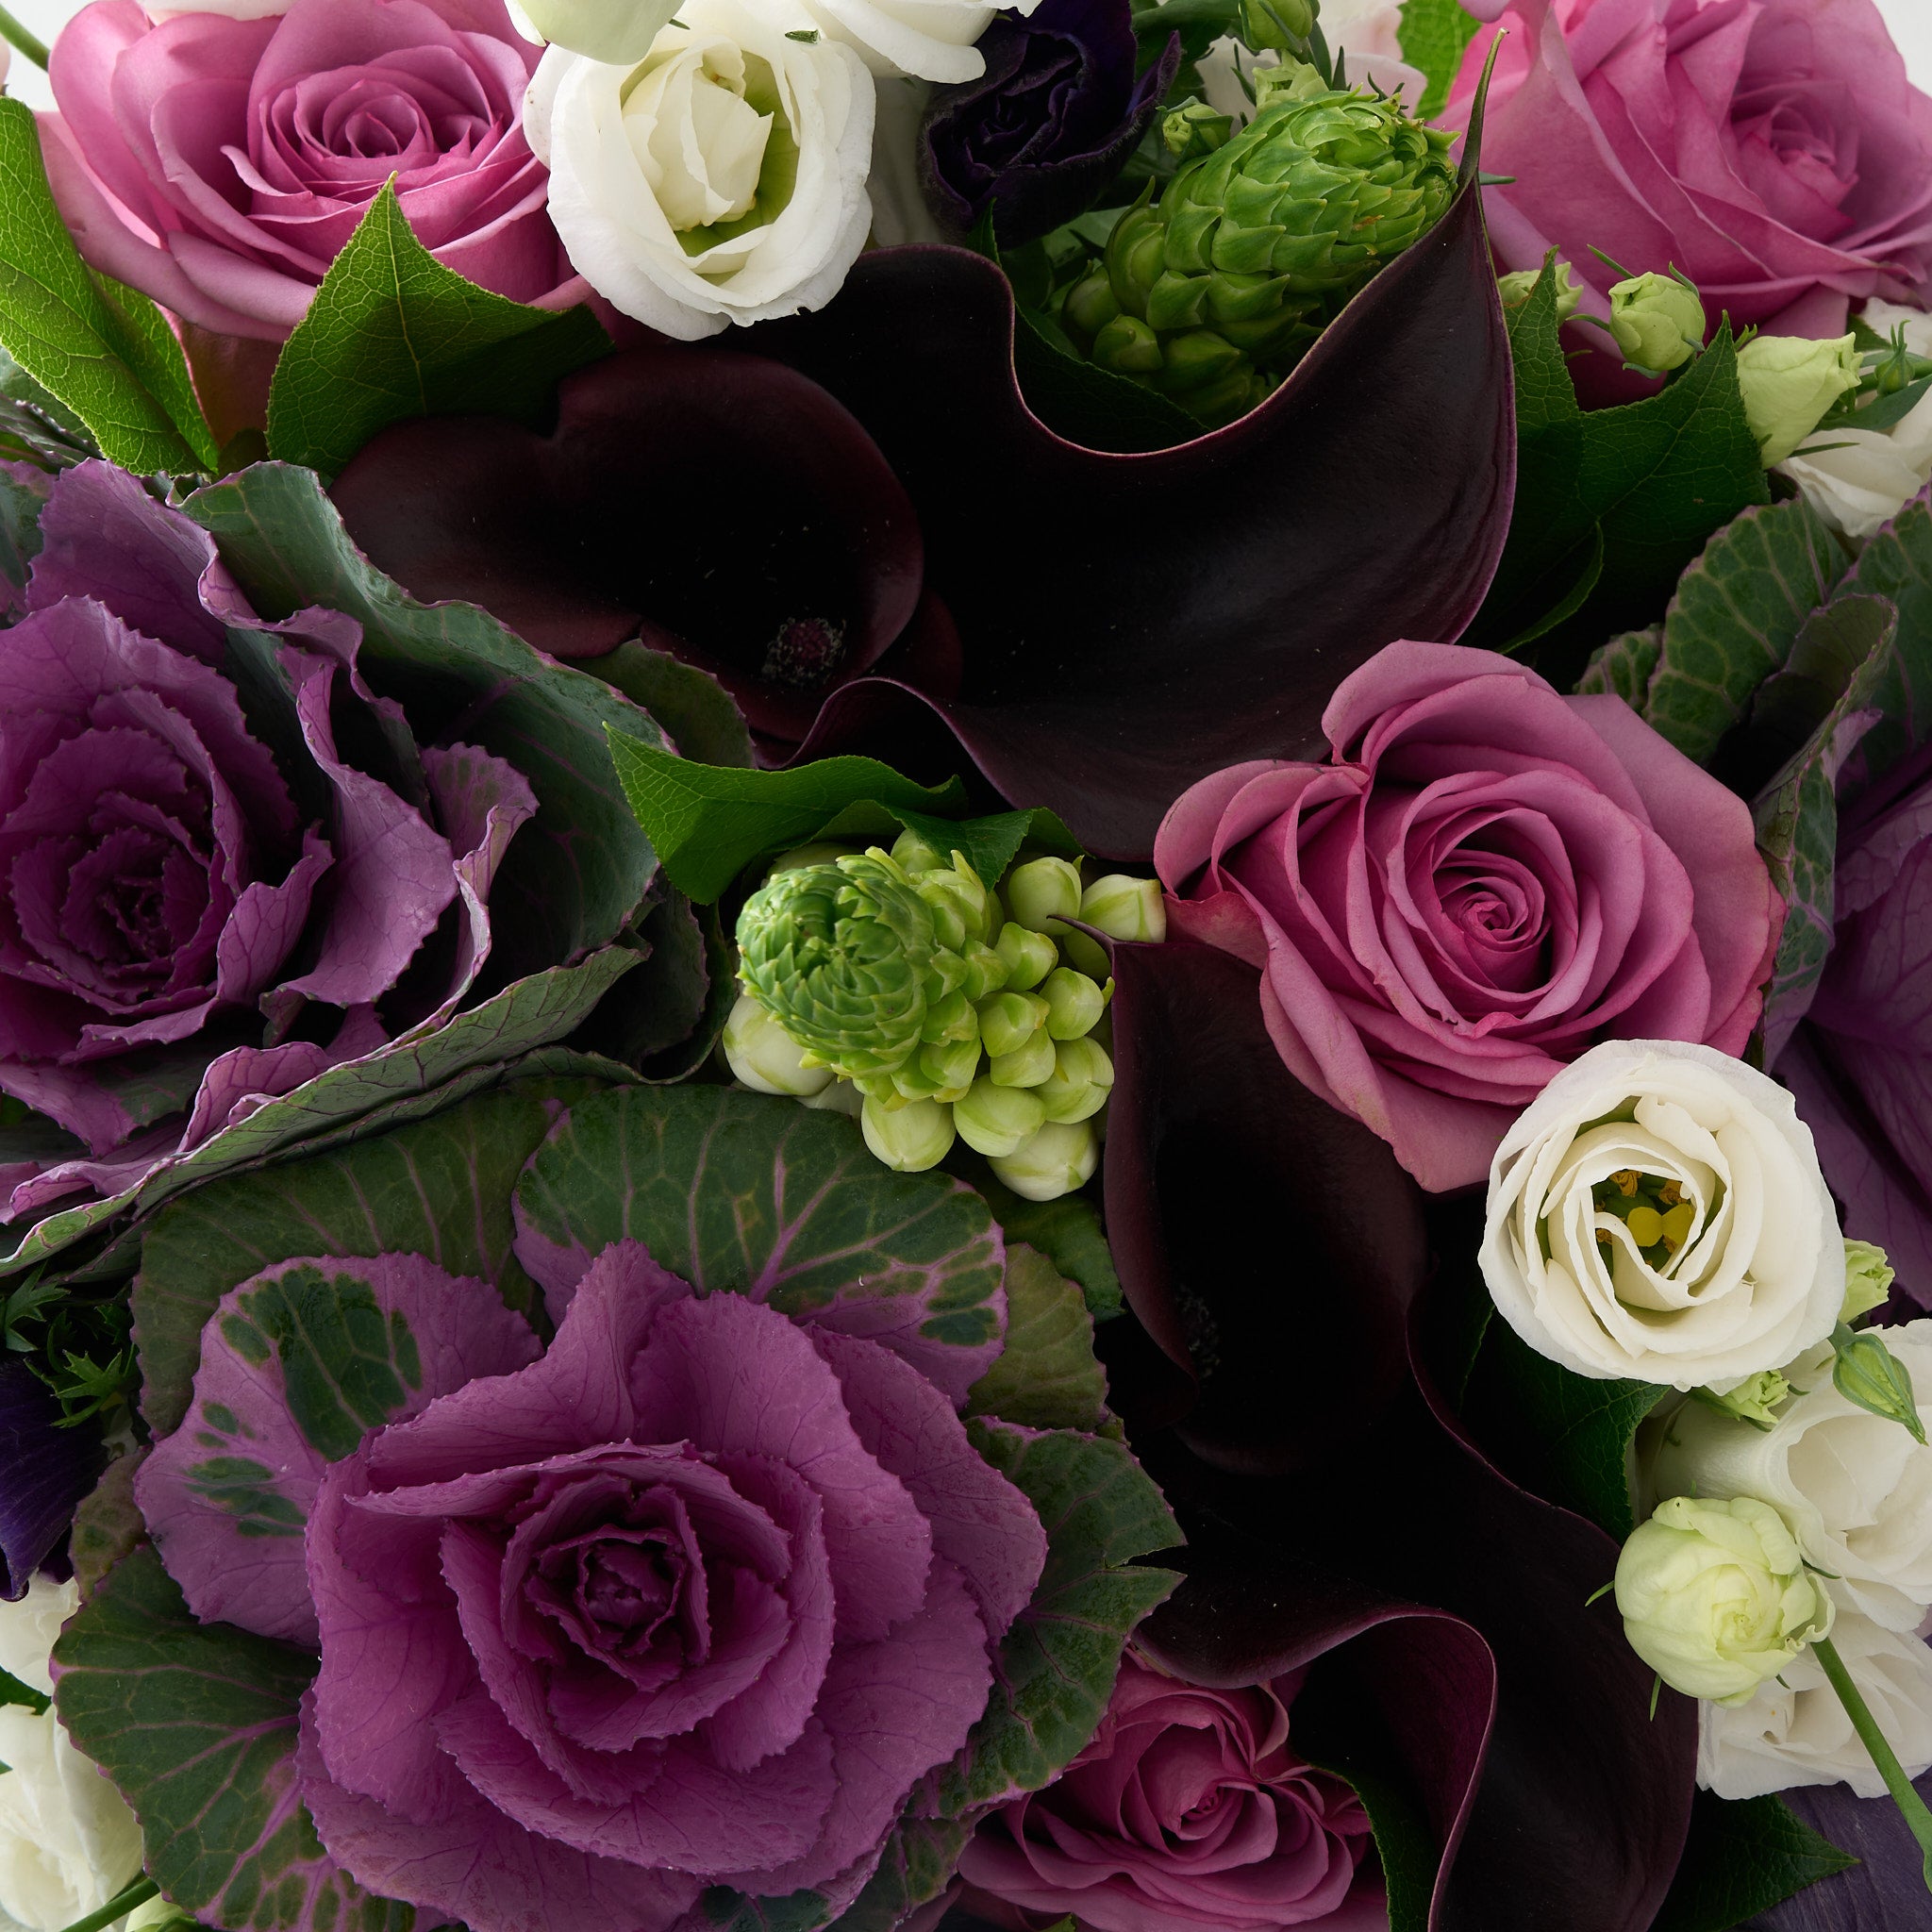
[
  {"x": 13, "y": 1692},
  {"x": 921, "y": 1857},
  {"x": 1091, "y": 405},
  {"x": 105, "y": 352},
  {"x": 196, "y": 1726},
  {"x": 575, "y": 875},
  {"x": 440, "y": 1186},
  {"x": 757, "y": 1194},
  {"x": 392, "y": 335},
  {"x": 20, "y": 536},
  {"x": 689, "y": 705},
  {"x": 1046, "y": 1375},
  {"x": 1433, "y": 35},
  {"x": 1741, "y": 1858},
  {"x": 108, "y": 1525},
  {"x": 1056, "y": 1667},
  {"x": 1066, "y": 1231},
  {"x": 1623, "y": 667}
]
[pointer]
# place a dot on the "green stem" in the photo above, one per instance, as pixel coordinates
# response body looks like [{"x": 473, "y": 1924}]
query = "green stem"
[
  {"x": 1912, "y": 1806},
  {"x": 117, "y": 1908},
  {"x": 34, "y": 48}
]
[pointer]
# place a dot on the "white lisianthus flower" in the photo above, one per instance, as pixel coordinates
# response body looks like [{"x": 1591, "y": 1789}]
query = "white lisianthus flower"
[
  {"x": 68, "y": 1845},
  {"x": 1854, "y": 1487},
  {"x": 1795, "y": 1731},
  {"x": 721, "y": 180},
  {"x": 1366, "y": 33},
  {"x": 1656, "y": 1213},
  {"x": 922, "y": 40}
]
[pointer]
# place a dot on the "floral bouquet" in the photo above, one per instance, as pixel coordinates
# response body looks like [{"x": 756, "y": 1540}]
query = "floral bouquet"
[{"x": 966, "y": 966}]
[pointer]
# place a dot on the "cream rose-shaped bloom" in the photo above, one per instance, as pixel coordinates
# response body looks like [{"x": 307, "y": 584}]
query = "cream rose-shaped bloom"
[
  {"x": 67, "y": 1842},
  {"x": 1795, "y": 1732},
  {"x": 1856, "y": 1487},
  {"x": 1657, "y": 1213},
  {"x": 721, "y": 180}
]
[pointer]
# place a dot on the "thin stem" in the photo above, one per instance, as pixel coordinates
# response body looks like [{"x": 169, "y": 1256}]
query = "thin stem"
[
  {"x": 117, "y": 1908},
  {"x": 34, "y": 48},
  {"x": 1912, "y": 1806}
]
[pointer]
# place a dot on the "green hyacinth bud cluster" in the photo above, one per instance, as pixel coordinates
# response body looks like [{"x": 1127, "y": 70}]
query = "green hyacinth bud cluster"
[
  {"x": 1213, "y": 292},
  {"x": 898, "y": 985}
]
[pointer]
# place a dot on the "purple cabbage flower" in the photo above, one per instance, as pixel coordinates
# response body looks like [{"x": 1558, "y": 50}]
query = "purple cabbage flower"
[
  {"x": 226, "y": 864},
  {"x": 1050, "y": 122},
  {"x": 693, "y": 1598}
]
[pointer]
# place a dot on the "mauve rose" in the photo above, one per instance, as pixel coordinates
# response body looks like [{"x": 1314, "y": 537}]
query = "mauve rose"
[
  {"x": 1188, "y": 1809},
  {"x": 1772, "y": 150},
  {"x": 1487, "y": 879},
  {"x": 219, "y": 164}
]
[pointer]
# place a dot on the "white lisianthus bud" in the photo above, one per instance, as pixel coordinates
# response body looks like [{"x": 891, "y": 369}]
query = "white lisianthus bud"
[
  {"x": 1059, "y": 1159},
  {"x": 922, "y": 40},
  {"x": 68, "y": 1845},
  {"x": 1125, "y": 907},
  {"x": 1658, "y": 322},
  {"x": 1855, "y": 1488},
  {"x": 1868, "y": 1280},
  {"x": 1658, "y": 1213},
  {"x": 1715, "y": 1596},
  {"x": 766, "y": 1057},
  {"x": 1788, "y": 383},
  {"x": 722, "y": 179},
  {"x": 620, "y": 30},
  {"x": 1795, "y": 1732},
  {"x": 998, "y": 1120},
  {"x": 1041, "y": 892},
  {"x": 912, "y": 1138}
]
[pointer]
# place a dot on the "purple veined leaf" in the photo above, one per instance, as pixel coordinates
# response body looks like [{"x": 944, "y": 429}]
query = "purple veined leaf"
[
  {"x": 1884, "y": 1892},
  {"x": 44, "y": 1471}
]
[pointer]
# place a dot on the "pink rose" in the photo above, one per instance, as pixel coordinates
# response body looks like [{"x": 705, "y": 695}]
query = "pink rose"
[
  {"x": 219, "y": 165},
  {"x": 1486, "y": 880},
  {"x": 1772, "y": 150},
  {"x": 1188, "y": 1809}
]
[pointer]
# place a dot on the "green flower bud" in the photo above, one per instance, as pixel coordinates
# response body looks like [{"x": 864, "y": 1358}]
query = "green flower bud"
[
  {"x": 917, "y": 853},
  {"x": 1088, "y": 955},
  {"x": 1788, "y": 383},
  {"x": 1089, "y": 308},
  {"x": 617, "y": 31},
  {"x": 840, "y": 956},
  {"x": 1008, "y": 1020},
  {"x": 950, "y": 1065},
  {"x": 1081, "y": 1079},
  {"x": 985, "y": 971},
  {"x": 1128, "y": 347},
  {"x": 952, "y": 1018},
  {"x": 1755, "y": 1400},
  {"x": 763, "y": 1057},
  {"x": 842, "y": 1096},
  {"x": 1867, "y": 1372},
  {"x": 957, "y": 886},
  {"x": 1029, "y": 955},
  {"x": 1716, "y": 1598},
  {"x": 1868, "y": 1280},
  {"x": 1658, "y": 323},
  {"x": 998, "y": 1120},
  {"x": 1281, "y": 24},
  {"x": 1516, "y": 288},
  {"x": 1056, "y": 1160},
  {"x": 1125, "y": 907},
  {"x": 1026, "y": 1065},
  {"x": 909, "y": 1138},
  {"x": 1042, "y": 891},
  {"x": 1193, "y": 130},
  {"x": 1073, "y": 1003}
]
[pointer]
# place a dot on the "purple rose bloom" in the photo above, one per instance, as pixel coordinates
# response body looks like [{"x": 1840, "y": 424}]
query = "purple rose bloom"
[
  {"x": 693, "y": 1600},
  {"x": 175, "y": 897},
  {"x": 1049, "y": 124}
]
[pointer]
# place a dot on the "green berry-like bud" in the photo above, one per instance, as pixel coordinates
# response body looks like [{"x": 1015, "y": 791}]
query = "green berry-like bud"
[
  {"x": 1868, "y": 1280},
  {"x": 1056, "y": 1160},
  {"x": 998, "y": 1119},
  {"x": 1867, "y": 1372},
  {"x": 909, "y": 1138},
  {"x": 1658, "y": 323},
  {"x": 765, "y": 1057},
  {"x": 1073, "y": 1003},
  {"x": 1081, "y": 1079},
  {"x": 1042, "y": 891},
  {"x": 985, "y": 971},
  {"x": 950, "y": 1065},
  {"x": 1194, "y": 129},
  {"x": 917, "y": 853},
  {"x": 1128, "y": 347},
  {"x": 1026, "y": 1066},
  {"x": 1089, "y": 308},
  {"x": 952, "y": 1018},
  {"x": 1283, "y": 25},
  {"x": 957, "y": 886},
  {"x": 1126, "y": 908},
  {"x": 1517, "y": 287},
  {"x": 1029, "y": 955},
  {"x": 1086, "y": 954},
  {"x": 1008, "y": 1020},
  {"x": 1755, "y": 1400},
  {"x": 1788, "y": 383}
]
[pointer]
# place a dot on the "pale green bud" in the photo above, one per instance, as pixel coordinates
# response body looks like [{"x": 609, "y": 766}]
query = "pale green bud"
[
  {"x": 1755, "y": 1400},
  {"x": 998, "y": 1120},
  {"x": 765, "y": 1057},
  {"x": 912, "y": 1138},
  {"x": 950, "y": 1066},
  {"x": 1125, "y": 907},
  {"x": 1517, "y": 287},
  {"x": 1282, "y": 25},
  {"x": 1716, "y": 1598},
  {"x": 1042, "y": 891},
  {"x": 1865, "y": 1372},
  {"x": 1073, "y": 1003},
  {"x": 1088, "y": 955},
  {"x": 1056, "y": 1160},
  {"x": 952, "y": 1018},
  {"x": 842, "y": 1096},
  {"x": 960, "y": 887},
  {"x": 1188, "y": 130},
  {"x": 1029, "y": 955},
  {"x": 617, "y": 31},
  {"x": 158, "y": 1915},
  {"x": 1008, "y": 1020},
  {"x": 1868, "y": 1280},
  {"x": 918, "y": 853},
  {"x": 1658, "y": 322},
  {"x": 1081, "y": 1079},
  {"x": 1788, "y": 383},
  {"x": 985, "y": 971},
  {"x": 1026, "y": 1066}
]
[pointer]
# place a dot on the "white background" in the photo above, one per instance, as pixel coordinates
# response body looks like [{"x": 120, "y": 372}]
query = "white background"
[{"x": 1912, "y": 25}]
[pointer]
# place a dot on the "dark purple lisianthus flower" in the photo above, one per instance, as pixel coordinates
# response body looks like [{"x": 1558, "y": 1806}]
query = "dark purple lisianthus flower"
[
  {"x": 1048, "y": 124},
  {"x": 173, "y": 896},
  {"x": 695, "y": 1599},
  {"x": 1188, "y": 1809}
]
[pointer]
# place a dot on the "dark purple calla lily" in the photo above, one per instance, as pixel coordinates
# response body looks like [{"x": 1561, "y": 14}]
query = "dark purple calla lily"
[
  {"x": 47, "y": 1470},
  {"x": 1049, "y": 124}
]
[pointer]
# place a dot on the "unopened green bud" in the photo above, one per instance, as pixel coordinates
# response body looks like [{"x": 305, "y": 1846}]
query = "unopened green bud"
[
  {"x": 765, "y": 1057},
  {"x": 842, "y": 1096},
  {"x": 985, "y": 971},
  {"x": 1517, "y": 287},
  {"x": 1281, "y": 24},
  {"x": 909, "y": 1138},
  {"x": 1056, "y": 1160},
  {"x": 918, "y": 853},
  {"x": 1042, "y": 891},
  {"x": 1658, "y": 323},
  {"x": 1128, "y": 347},
  {"x": 1008, "y": 1020},
  {"x": 1194, "y": 129},
  {"x": 1867, "y": 1372},
  {"x": 1788, "y": 383},
  {"x": 1126, "y": 908},
  {"x": 1868, "y": 1280},
  {"x": 950, "y": 1066},
  {"x": 1026, "y": 1065},
  {"x": 1029, "y": 955},
  {"x": 952, "y": 1018},
  {"x": 1755, "y": 1400},
  {"x": 1081, "y": 1079},
  {"x": 1073, "y": 1003},
  {"x": 998, "y": 1120},
  {"x": 1086, "y": 953},
  {"x": 956, "y": 885},
  {"x": 1091, "y": 305}
]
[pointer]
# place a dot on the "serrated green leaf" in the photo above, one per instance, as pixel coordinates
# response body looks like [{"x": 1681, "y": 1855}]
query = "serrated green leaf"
[
  {"x": 691, "y": 706},
  {"x": 196, "y": 1726},
  {"x": 1623, "y": 667},
  {"x": 99, "y": 354},
  {"x": 1056, "y": 1667},
  {"x": 1046, "y": 1375},
  {"x": 1741, "y": 1858},
  {"x": 1433, "y": 35},
  {"x": 1066, "y": 1231},
  {"x": 392, "y": 335},
  {"x": 1091, "y": 405}
]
